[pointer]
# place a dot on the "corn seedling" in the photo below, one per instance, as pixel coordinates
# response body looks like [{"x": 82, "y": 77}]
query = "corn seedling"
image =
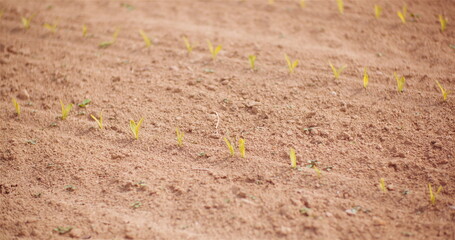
[
  {"x": 213, "y": 51},
  {"x": 434, "y": 195},
  {"x": 382, "y": 185},
  {"x": 340, "y": 4},
  {"x": 318, "y": 172},
  {"x": 26, "y": 21},
  {"x": 444, "y": 92},
  {"x": 99, "y": 121},
  {"x": 17, "y": 107},
  {"x": 365, "y": 78},
  {"x": 291, "y": 65},
  {"x": 188, "y": 46},
  {"x": 402, "y": 14},
  {"x": 337, "y": 72},
  {"x": 230, "y": 147},
  {"x": 443, "y": 22},
  {"x": 242, "y": 147},
  {"x": 377, "y": 11},
  {"x": 179, "y": 137},
  {"x": 252, "y": 59},
  {"x": 144, "y": 36},
  {"x": 271, "y": 1},
  {"x": 109, "y": 43},
  {"x": 400, "y": 82},
  {"x": 65, "y": 109},
  {"x": 302, "y": 3},
  {"x": 84, "y": 30},
  {"x": 135, "y": 127},
  {"x": 293, "y": 158},
  {"x": 52, "y": 28}
]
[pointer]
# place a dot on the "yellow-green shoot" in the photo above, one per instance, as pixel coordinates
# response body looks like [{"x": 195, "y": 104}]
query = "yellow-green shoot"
[
  {"x": 230, "y": 146},
  {"x": 402, "y": 14},
  {"x": 188, "y": 45},
  {"x": 84, "y": 30},
  {"x": 365, "y": 78},
  {"x": 444, "y": 92},
  {"x": 337, "y": 72},
  {"x": 377, "y": 11},
  {"x": 52, "y": 28},
  {"x": 242, "y": 147},
  {"x": 302, "y": 3},
  {"x": 17, "y": 107},
  {"x": 318, "y": 172},
  {"x": 109, "y": 43},
  {"x": 27, "y": 21},
  {"x": 65, "y": 109},
  {"x": 291, "y": 65},
  {"x": 443, "y": 22},
  {"x": 213, "y": 51},
  {"x": 99, "y": 121},
  {"x": 293, "y": 158},
  {"x": 252, "y": 59},
  {"x": 340, "y": 4},
  {"x": 180, "y": 136},
  {"x": 382, "y": 185},
  {"x": 400, "y": 82},
  {"x": 135, "y": 127},
  {"x": 271, "y": 1},
  {"x": 434, "y": 195},
  {"x": 146, "y": 39}
]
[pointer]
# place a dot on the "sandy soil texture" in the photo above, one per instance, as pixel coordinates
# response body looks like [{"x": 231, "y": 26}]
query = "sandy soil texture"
[{"x": 63, "y": 179}]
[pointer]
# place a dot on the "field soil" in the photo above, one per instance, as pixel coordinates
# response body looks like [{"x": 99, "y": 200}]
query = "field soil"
[{"x": 62, "y": 179}]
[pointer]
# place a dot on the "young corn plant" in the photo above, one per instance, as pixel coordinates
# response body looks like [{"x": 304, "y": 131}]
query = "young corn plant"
[
  {"x": 180, "y": 136},
  {"x": 271, "y": 1},
  {"x": 318, "y": 172},
  {"x": 98, "y": 120},
  {"x": 27, "y": 21},
  {"x": 135, "y": 128},
  {"x": 400, "y": 82},
  {"x": 188, "y": 45},
  {"x": 365, "y": 78},
  {"x": 230, "y": 146},
  {"x": 382, "y": 185},
  {"x": 337, "y": 72},
  {"x": 340, "y": 4},
  {"x": 65, "y": 109},
  {"x": 377, "y": 11},
  {"x": 444, "y": 92},
  {"x": 84, "y": 30},
  {"x": 291, "y": 65},
  {"x": 146, "y": 39},
  {"x": 16, "y": 106},
  {"x": 302, "y": 3},
  {"x": 242, "y": 147},
  {"x": 51, "y": 27},
  {"x": 213, "y": 51},
  {"x": 293, "y": 158},
  {"x": 443, "y": 22},
  {"x": 402, "y": 14},
  {"x": 433, "y": 195},
  {"x": 109, "y": 43},
  {"x": 252, "y": 59}
]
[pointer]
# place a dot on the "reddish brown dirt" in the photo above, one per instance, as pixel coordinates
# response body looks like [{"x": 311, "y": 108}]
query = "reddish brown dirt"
[{"x": 198, "y": 191}]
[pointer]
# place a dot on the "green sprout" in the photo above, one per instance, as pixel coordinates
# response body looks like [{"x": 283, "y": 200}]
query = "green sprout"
[
  {"x": 180, "y": 136},
  {"x": 135, "y": 127},
  {"x": 230, "y": 146},
  {"x": 65, "y": 109}
]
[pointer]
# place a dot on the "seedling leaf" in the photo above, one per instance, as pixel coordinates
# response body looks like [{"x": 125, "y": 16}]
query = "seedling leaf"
[
  {"x": 377, "y": 11},
  {"x": 65, "y": 110},
  {"x": 291, "y": 65},
  {"x": 242, "y": 147},
  {"x": 99, "y": 121},
  {"x": 444, "y": 92},
  {"x": 302, "y": 3},
  {"x": 340, "y": 4},
  {"x": 213, "y": 51},
  {"x": 252, "y": 59},
  {"x": 63, "y": 230},
  {"x": 106, "y": 44},
  {"x": 293, "y": 158},
  {"x": 365, "y": 78},
  {"x": 337, "y": 72},
  {"x": 188, "y": 46},
  {"x": 84, "y": 30},
  {"x": 180, "y": 136},
  {"x": 382, "y": 185},
  {"x": 230, "y": 147},
  {"x": 400, "y": 82},
  {"x": 318, "y": 172},
  {"x": 52, "y": 28},
  {"x": 434, "y": 195},
  {"x": 443, "y": 22},
  {"x": 16, "y": 106},
  {"x": 402, "y": 14},
  {"x": 144, "y": 36},
  {"x": 84, "y": 103},
  {"x": 135, "y": 127}
]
